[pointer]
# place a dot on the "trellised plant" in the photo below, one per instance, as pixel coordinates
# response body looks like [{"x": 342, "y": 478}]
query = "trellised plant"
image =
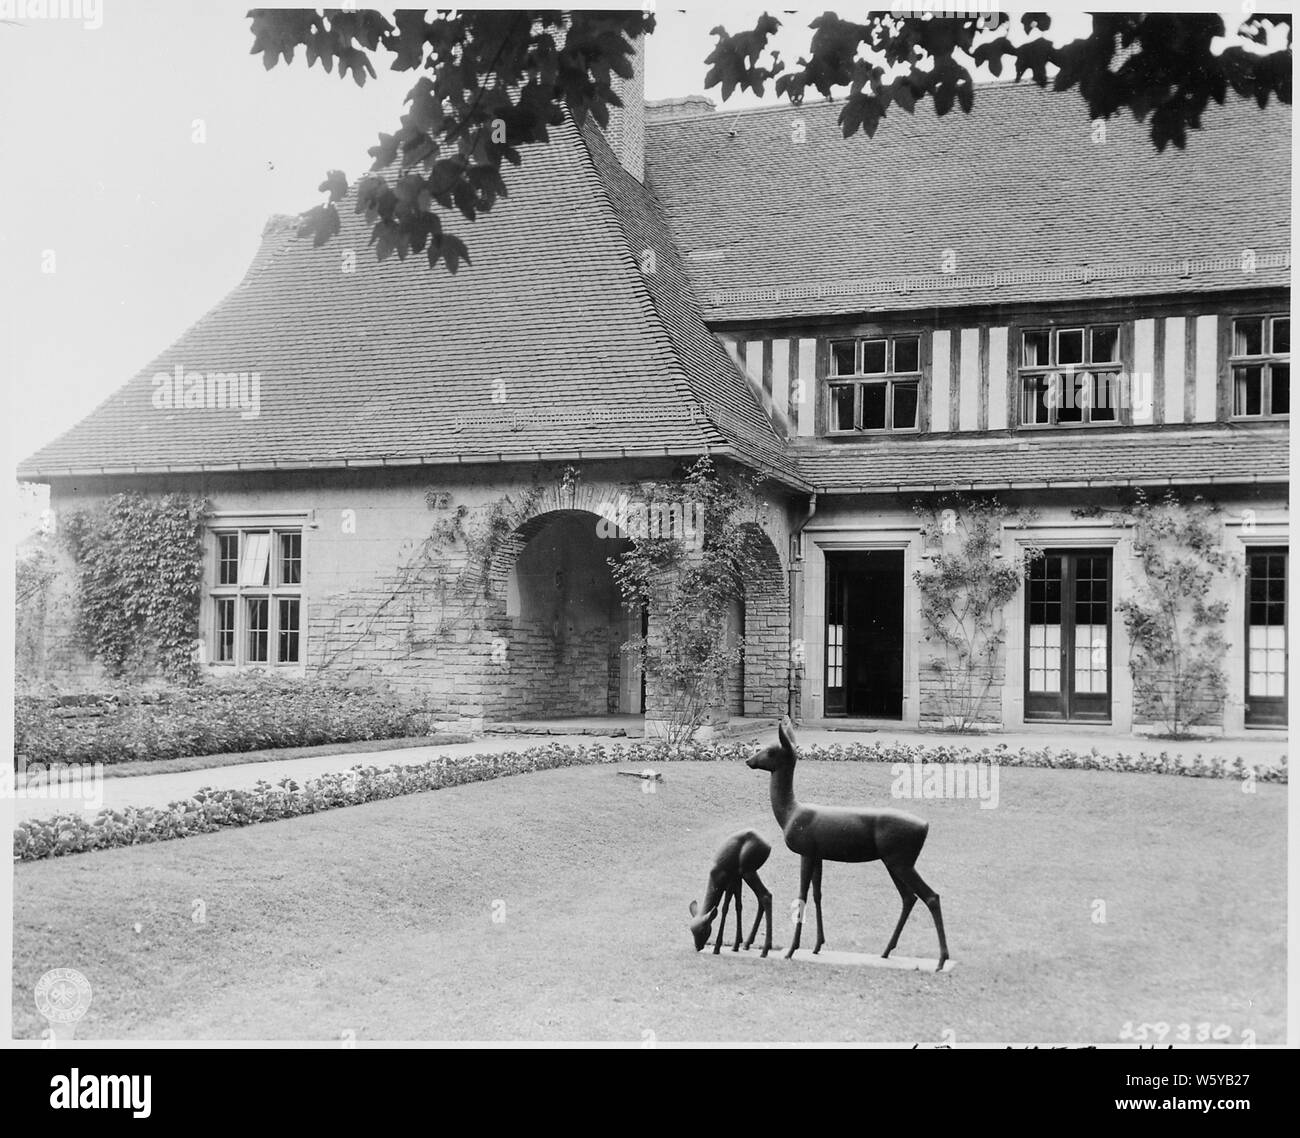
[
  {"x": 432, "y": 577},
  {"x": 690, "y": 579},
  {"x": 964, "y": 593},
  {"x": 139, "y": 566},
  {"x": 1175, "y": 628}
]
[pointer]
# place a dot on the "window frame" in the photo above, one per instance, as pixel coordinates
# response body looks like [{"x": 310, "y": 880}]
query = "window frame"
[
  {"x": 889, "y": 379},
  {"x": 1266, "y": 360},
  {"x": 277, "y": 589},
  {"x": 1114, "y": 367},
  {"x": 1266, "y": 710}
]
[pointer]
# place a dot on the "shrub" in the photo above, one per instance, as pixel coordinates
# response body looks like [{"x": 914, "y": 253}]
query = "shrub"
[
  {"x": 211, "y": 810},
  {"x": 246, "y": 714}
]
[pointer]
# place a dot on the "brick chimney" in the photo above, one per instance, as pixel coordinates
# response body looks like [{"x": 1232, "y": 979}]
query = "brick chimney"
[{"x": 626, "y": 131}]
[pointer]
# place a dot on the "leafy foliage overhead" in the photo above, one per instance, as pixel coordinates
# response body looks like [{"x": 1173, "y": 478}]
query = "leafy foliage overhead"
[
  {"x": 494, "y": 81},
  {"x": 1160, "y": 66}
]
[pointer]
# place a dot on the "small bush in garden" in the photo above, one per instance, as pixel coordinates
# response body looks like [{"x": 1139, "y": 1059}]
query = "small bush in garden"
[
  {"x": 211, "y": 809},
  {"x": 248, "y": 713}
]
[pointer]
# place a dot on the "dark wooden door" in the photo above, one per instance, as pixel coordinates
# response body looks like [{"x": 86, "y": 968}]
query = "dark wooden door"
[{"x": 864, "y": 634}]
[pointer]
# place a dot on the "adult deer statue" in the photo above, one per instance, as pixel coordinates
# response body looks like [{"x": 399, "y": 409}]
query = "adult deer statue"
[
  {"x": 741, "y": 857},
  {"x": 850, "y": 834}
]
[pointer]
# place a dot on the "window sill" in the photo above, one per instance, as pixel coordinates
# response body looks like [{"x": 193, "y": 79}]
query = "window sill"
[{"x": 873, "y": 433}]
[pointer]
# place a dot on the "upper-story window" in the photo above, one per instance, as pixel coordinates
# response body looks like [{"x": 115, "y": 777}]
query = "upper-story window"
[
  {"x": 875, "y": 383},
  {"x": 257, "y": 596},
  {"x": 1070, "y": 376},
  {"x": 1261, "y": 367}
]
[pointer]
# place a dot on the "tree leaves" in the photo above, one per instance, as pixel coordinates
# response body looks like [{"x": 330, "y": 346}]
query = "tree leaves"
[
  {"x": 320, "y": 223},
  {"x": 496, "y": 81}
]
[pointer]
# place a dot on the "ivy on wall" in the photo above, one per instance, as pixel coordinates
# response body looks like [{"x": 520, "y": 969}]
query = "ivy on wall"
[
  {"x": 446, "y": 573},
  {"x": 139, "y": 566},
  {"x": 1176, "y": 613},
  {"x": 964, "y": 590},
  {"x": 690, "y": 581}
]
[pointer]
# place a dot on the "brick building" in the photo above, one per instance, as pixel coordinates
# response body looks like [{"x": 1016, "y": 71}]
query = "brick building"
[{"x": 868, "y": 323}]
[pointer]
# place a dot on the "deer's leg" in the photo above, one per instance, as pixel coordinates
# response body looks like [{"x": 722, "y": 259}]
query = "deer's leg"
[
  {"x": 805, "y": 876},
  {"x": 909, "y": 899},
  {"x": 764, "y": 909},
  {"x": 722, "y": 922},
  {"x": 931, "y": 898},
  {"x": 817, "y": 900},
  {"x": 740, "y": 928}
]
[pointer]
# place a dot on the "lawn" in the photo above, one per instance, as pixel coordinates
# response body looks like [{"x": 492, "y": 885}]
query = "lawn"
[{"x": 378, "y": 920}]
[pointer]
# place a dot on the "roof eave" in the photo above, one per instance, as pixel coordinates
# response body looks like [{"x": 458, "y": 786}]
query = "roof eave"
[{"x": 1085, "y": 484}]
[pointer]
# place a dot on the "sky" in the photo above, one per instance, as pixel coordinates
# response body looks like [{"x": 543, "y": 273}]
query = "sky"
[{"x": 143, "y": 156}]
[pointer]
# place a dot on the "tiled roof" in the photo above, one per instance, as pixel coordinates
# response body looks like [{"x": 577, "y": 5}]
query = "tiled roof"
[
  {"x": 394, "y": 363},
  {"x": 1079, "y": 459},
  {"x": 1019, "y": 201},
  {"x": 724, "y": 394}
]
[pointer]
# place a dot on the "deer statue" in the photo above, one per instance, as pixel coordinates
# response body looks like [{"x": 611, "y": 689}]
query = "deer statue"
[
  {"x": 850, "y": 834},
  {"x": 741, "y": 857}
]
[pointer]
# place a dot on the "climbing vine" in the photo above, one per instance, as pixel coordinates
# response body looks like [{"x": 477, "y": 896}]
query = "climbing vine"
[
  {"x": 692, "y": 551},
  {"x": 964, "y": 592},
  {"x": 446, "y": 574},
  {"x": 139, "y": 568},
  {"x": 1174, "y": 627}
]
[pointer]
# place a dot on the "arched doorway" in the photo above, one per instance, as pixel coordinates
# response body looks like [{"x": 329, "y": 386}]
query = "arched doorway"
[
  {"x": 765, "y": 674},
  {"x": 562, "y": 625}
]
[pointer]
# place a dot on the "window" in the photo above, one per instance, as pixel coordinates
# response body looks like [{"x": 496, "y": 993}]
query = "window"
[
  {"x": 1266, "y": 648},
  {"x": 1067, "y": 636},
  {"x": 1261, "y": 367},
  {"x": 257, "y": 596},
  {"x": 875, "y": 384},
  {"x": 1069, "y": 376}
]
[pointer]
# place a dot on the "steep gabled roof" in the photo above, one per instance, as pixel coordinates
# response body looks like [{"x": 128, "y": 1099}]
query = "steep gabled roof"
[
  {"x": 727, "y": 398},
  {"x": 780, "y": 217},
  {"x": 549, "y": 346}
]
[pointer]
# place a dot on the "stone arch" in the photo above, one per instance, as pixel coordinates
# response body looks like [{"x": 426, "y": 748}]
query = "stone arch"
[
  {"x": 557, "y": 618},
  {"x": 766, "y": 670}
]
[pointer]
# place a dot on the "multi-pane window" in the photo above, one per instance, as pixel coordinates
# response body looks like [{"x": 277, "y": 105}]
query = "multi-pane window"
[
  {"x": 1044, "y": 627},
  {"x": 1070, "y": 375},
  {"x": 257, "y": 596},
  {"x": 1067, "y": 636},
  {"x": 835, "y": 655},
  {"x": 1266, "y": 648},
  {"x": 875, "y": 383},
  {"x": 1261, "y": 367}
]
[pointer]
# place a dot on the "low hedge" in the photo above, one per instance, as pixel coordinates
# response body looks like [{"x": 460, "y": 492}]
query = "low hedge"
[
  {"x": 211, "y": 809},
  {"x": 249, "y": 713}
]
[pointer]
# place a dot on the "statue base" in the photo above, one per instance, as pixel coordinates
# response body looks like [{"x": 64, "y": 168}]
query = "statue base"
[{"x": 844, "y": 959}]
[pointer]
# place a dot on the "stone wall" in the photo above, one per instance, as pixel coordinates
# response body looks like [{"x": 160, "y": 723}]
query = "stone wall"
[{"x": 464, "y": 638}]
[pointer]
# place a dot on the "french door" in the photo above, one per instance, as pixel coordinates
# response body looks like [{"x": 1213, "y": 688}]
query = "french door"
[
  {"x": 1068, "y": 636},
  {"x": 1266, "y": 637}
]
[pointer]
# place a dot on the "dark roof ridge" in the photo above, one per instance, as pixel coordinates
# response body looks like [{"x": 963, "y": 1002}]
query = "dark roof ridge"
[{"x": 723, "y": 112}]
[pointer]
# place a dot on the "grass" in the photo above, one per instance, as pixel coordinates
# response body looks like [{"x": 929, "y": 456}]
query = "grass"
[{"x": 377, "y": 919}]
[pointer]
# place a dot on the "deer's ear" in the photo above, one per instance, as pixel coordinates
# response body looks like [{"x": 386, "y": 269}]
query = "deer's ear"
[
  {"x": 694, "y": 908},
  {"x": 785, "y": 731}
]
